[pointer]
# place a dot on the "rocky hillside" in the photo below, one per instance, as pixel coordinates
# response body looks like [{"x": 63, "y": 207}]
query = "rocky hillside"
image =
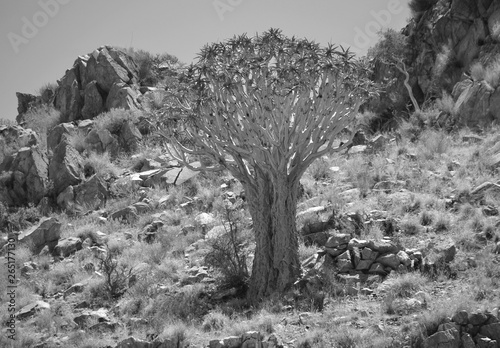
[
  {"x": 114, "y": 244},
  {"x": 455, "y": 47}
]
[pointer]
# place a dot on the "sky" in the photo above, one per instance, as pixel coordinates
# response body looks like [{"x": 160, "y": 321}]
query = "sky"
[{"x": 40, "y": 39}]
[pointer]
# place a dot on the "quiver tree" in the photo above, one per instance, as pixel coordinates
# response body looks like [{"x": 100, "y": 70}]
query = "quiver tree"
[{"x": 265, "y": 108}]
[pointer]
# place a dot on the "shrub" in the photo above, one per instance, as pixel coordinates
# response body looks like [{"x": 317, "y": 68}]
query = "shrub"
[
  {"x": 41, "y": 119},
  {"x": 227, "y": 253},
  {"x": 320, "y": 169},
  {"x": 426, "y": 218},
  {"x": 116, "y": 274},
  {"x": 315, "y": 339},
  {"x": 115, "y": 118},
  {"x": 410, "y": 225},
  {"x": 403, "y": 285},
  {"x": 18, "y": 219},
  {"x": 77, "y": 140},
  {"x": 101, "y": 165},
  {"x": 215, "y": 321}
]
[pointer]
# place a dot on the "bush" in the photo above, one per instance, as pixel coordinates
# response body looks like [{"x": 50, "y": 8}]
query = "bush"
[
  {"x": 41, "y": 119},
  {"x": 101, "y": 165},
  {"x": 115, "y": 118},
  {"x": 227, "y": 254},
  {"x": 116, "y": 274},
  {"x": 18, "y": 219}
]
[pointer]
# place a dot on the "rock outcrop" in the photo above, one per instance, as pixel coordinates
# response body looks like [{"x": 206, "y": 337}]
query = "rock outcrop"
[
  {"x": 46, "y": 233},
  {"x": 25, "y": 179},
  {"x": 66, "y": 167},
  {"x": 97, "y": 82}
]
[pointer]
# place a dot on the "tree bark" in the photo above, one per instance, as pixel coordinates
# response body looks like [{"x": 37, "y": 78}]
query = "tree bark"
[{"x": 276, "y": 263}]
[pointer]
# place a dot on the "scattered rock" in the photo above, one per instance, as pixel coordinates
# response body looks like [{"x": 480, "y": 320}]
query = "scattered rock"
[
  {"x": 31, "y": 309},
  {"x": 46, "y": 233},
  {"x": 67, "y": 246},
  {"x": 127, "y": 214}
]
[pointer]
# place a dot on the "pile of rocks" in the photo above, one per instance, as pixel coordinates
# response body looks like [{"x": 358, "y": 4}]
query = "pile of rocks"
[{"x": 468, "y": 330}]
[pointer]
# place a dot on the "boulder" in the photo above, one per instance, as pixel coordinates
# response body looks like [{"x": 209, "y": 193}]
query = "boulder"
[
  {"x": 337, "y": 240},
  {"x": 101, "y": 140},
  {"x": 31, "y": 309},
  {"x": 127, "y": 214},
  {"x": 122, "y": 96},
  {"x": 92, "y": 193},
  {"x": 68, "y": 99},
  {"x": 100, "y": 315},
  {"x": 492, "y": 331},
  {"x": 389, "y": 260},
  {"x": 443, "y": 339},
  {"x": 93, "y": 103},
  {"x": 25, "y": 102},
  {"x": 65, "y": 168},
  {"x": 130, "y": 137},
  {"x": 67, "y": 246},
  {"x": 55, "y": 135},
  {"x": 105, "y": 70},
  {"x": 46, "y": 233},
  {"x": 16, "y": 137},
  {"x": 28, "y": 181}
]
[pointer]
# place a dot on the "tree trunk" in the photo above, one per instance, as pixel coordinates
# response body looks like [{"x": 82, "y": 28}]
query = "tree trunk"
[{"x": 273, "y": 203}]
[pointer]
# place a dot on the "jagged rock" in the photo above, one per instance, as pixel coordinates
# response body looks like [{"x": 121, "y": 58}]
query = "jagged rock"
[
  {"x": 383, "y": 247},
  {"x": 404, "y": 258},
  {"x": 369, "y": 254},
  {"x": 178, "y": 176},
  {"x": 121, "y": 96},
  {"x": 461, "y": 317},
  {"x": 31, "y": 309},
  {"x": 16, "y": 137},
  {"x": 101, "y": 140},
  {"x": 65, "y": 168},
  {"x": 127, "y": 214},
  {"x": 478, "y": 318},
  {"x": 485, "y": 342},
  {"x": 28, "y": 182},
  {"x": 55, "y": 135},
  {"x": 93, "y": 101},
  {"x": 337, "y": 240},
  {"x": 492, "y": 331},
  {"x": 76, "y": 288},
  {"x": 46, "y": 233},
  {"x": 107, "y": 65},
  {"x": 443, "y": 339},
  {"x": 467, "y": 341},
  {"x": 68, "y": 99},
  {"x": 25, "y": 102},
  {"x": 92, "y": 193},
  {"x": 389, "y": 260},
  {"x": 67, "y": 246},
  {"x": 129, "y": 137},
  {"x": 99, "y": 315}
]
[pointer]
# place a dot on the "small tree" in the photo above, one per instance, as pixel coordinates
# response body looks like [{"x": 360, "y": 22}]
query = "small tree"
[
  {"x": 265, "y": 108},
  {"x": 391, "y": 51}
]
